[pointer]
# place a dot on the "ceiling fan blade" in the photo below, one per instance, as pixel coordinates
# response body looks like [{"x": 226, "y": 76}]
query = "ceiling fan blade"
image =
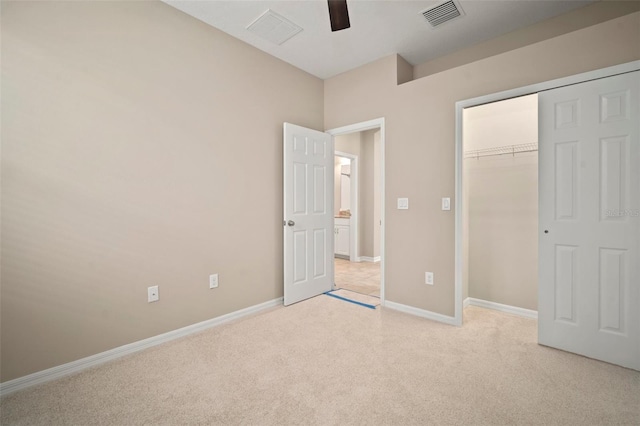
[{"x": 338, "y": 15}]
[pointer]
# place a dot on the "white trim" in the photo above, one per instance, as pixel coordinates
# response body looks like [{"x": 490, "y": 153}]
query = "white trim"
[
  {"x": 369, "y": 259},
  {"x": 361, "y": 127},
  {"x": 466, "y": 302},
  {"x": 77, "y": 366},
  {"x": 420, "y": 313},
  {"x": 358, "y": 127},
  {"x": 495, "y": 97},
  {"x": 514, "y": 310},
  {"x": 353, "y": 222}
]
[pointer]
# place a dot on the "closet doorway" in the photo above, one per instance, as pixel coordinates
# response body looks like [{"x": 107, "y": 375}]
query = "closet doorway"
[
  {"x": 588, "y": 230},
  {"x": 500, "y": 205}
]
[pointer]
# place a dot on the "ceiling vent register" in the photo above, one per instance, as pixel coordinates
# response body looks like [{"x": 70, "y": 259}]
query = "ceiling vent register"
[
  {"x": 274, "y": 27},
  {"x": 442, "y": 13}
]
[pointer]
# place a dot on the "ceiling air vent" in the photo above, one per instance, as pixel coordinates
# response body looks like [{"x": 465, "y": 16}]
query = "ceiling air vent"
[
  {"x": 442, "y": 13},
  {"x": 273, "y": 27}
]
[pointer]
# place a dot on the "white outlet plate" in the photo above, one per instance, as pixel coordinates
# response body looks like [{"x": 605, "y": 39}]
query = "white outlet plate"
[
  {"x": 152, "y": 294},
  {"x": 446, "y": 203},
  {"x": 428, "y": 278},
  {"x": 213, "y": 280},
  {"x": 403, "y": 203}
]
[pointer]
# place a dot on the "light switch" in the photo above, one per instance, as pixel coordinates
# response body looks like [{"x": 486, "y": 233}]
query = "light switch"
[
  {"x": 446, "y": 204},
  {"x": 403, "y": 203}
]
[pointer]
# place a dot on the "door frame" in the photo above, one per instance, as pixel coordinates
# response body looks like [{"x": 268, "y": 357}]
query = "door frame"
[
  {"x": 377, "y": 123},
  {"x": 459, "y": 155},
  {"x": 353, "y": 188}
]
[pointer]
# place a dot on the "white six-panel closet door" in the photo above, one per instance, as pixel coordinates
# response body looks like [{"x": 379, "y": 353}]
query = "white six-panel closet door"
[{"x": 589, "y": 171}]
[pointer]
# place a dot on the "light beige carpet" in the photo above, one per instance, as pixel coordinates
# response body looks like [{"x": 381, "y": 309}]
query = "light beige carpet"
[{"x": 327, "y": 362}]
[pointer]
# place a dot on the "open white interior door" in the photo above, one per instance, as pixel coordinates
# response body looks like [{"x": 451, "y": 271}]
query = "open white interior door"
[
  {"x": 589, "y": 289},
  {"x": 308, "y": 213}
]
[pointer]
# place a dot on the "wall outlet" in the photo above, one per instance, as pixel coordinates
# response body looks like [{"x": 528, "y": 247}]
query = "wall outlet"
[
  {"x": 213, "y": 280},
  {"x": 428, "y": 278},
  {"x": 152, "y": 294}
]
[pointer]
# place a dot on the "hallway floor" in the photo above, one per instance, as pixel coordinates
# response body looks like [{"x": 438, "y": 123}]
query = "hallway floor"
[{"x": 361, "y": 277}]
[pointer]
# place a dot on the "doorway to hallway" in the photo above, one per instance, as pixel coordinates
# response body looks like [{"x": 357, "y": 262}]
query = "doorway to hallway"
[{"x": 359, "y": 208}]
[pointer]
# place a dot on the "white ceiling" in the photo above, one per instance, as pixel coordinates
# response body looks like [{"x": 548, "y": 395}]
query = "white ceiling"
[{"x": 378, "y": 28}]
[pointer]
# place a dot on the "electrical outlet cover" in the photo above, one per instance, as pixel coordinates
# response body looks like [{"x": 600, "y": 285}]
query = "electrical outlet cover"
[
  {"x": 428, "y": 278},
  {"x": 213, "y": 280},
  {"x": 152, "y": 294}
]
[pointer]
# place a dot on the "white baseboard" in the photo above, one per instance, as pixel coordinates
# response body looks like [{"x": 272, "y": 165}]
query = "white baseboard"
[
  {"x": 420, "y": 312},
  {"x": 369, "y": 259},
  {"x": 112, "y": 354},
  {"x": 522, "y": 312}
]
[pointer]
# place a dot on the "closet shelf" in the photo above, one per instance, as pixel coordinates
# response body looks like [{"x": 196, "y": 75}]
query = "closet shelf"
[{"x": 502, "y": 150}]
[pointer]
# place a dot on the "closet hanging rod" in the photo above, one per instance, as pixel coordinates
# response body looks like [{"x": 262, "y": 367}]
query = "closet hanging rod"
[{"x": 502, "y": 150}]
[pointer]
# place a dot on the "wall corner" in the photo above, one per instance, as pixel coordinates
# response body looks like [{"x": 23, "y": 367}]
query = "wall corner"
[{"x": 404, "y": 70}]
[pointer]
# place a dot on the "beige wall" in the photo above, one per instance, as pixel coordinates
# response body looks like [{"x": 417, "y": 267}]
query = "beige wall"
[
  {"x": 367, "y": 158},
  {"x": 139, "y": 147},
  {"x": 405, "y": 71},
  {"x": 420, "y": 140},
  {"x": 501, "y": 203},
  {"x": 377, "y": 192},
  {"x": 503, "y": 225}
]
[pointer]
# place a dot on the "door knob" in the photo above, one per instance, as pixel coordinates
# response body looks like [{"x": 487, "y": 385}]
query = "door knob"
[
  {"x": 546, "y": 231},
  {"x": 291, "y": 223}
]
